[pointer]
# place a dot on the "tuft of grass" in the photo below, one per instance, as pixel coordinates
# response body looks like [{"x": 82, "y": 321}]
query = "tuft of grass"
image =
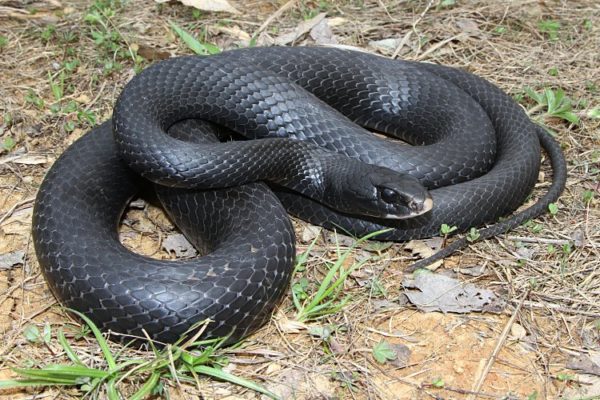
[
  {"x": 550, "y": 28},
  {"x": 552, "y": 104},
  {"x": 113, "y": 47},
  {"x": 57, "y": 85},
  {"x": 438, "y": 383},
  {"x": 309, "y": 10},
  {"x": 8, "y": 143},
  {"x": 183, "y": 361},
  {"x": 328, "y": 298}
]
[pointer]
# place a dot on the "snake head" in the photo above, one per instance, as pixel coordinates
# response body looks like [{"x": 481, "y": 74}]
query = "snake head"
[{"x": 383, "y": 193}]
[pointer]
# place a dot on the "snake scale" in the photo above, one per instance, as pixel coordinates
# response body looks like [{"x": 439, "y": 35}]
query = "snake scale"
[{"x": 300, "y": 118}]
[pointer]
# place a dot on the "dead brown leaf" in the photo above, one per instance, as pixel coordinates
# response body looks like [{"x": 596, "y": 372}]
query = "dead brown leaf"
[{"x": 208, "y": 5}]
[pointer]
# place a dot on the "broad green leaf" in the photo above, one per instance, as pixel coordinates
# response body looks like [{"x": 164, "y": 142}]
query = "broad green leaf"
[
  {"x": 550, "y": 100},
  {"x": 569, "y": 116},
  {"x": 383, "y": 352},
  {"x": 538, "y": 98},
  {"x": 8, "y": 143},
  {"x": 47, "y": 333},
  {"x": 31, "y": 333},
  {"x": 438, "y": 383},
  {"x": 594, "y": 113},
  {"x": 193, "y": 43}
]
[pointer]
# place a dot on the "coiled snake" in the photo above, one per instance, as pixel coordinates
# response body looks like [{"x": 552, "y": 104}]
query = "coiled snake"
[{"x": 307, "y": 108}]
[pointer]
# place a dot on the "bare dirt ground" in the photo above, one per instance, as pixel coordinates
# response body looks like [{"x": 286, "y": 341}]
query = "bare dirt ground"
[{"x": 60, "y": 74}]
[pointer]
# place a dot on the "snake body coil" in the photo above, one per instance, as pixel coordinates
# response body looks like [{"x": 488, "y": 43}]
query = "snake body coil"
[{"x": 479, "y": 156}]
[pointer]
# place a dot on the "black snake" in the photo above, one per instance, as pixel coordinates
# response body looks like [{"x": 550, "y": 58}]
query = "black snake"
[{"x": 479, "y": 156}]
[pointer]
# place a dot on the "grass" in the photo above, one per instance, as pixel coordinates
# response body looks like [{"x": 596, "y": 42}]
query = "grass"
[
  {"x": 552, "y": 104},
  {"x": 194, "y": 44},
  {"x": 184, "y": 361},
  {"x": 327, "y": 299}
]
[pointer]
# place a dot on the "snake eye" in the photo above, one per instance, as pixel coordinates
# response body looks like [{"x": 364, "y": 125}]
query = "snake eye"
[{"x": 390, "y": 196}]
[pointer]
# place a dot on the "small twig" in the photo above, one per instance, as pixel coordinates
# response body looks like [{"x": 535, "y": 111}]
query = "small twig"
[
  {"x": 437, "y": 46},
  {"x": 382, "y": 5},
  {"x": 15, "y": 207},
  {"x": 539, "y": 240},
  {"x": 554, "y": 307},
  {"x": 499, "y": 345},
  {"x": 274, "y": 16},
  {"x": 402, "y": 44}
]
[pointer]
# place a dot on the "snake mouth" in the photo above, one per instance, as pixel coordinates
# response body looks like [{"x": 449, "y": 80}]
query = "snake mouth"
[{"x": 414, "y": 208}]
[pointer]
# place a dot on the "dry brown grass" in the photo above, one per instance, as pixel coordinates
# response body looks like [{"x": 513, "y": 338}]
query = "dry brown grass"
[{"x": 554, "y": 297}]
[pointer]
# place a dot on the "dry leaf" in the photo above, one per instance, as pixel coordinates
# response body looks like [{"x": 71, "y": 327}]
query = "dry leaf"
[
  {"x": 435, "y": 292},
  {"x": 178, "y": 244},
  {"x": 322, "y": 34},
  {"x": 19, "y": 223},
  {"x": 380, "y": 305},
  {"x": 309, "y": 233},
  {"x": 468, "y": 26},
  {"x": 336, "y": 347},
  {"x": 208, "y": 5},
  {"x": 27, "y": 158},
  {"x": 386, "y": 45},
  {"x": 585, "y": 364},
  {"x": 291, "y": 326},
  {"x": 517, "y": 331},
  {"x": 588, "y": 387},
  {"x": 286, "y": 385},
  {"x": 473, "y": 271},
  {"x": 402, "y": 355},
  {"x": 151, "y": 53},
  {"x": 426, "y": 248},
  {"x": 273, "y": 367},
  {"x": 336, "y": 21},
  {"x": 9, "y": 260},
  {"x": 233, "y": 31},
  {"x": 525, "y": 252},
  {"x": 578, "y": 237},
  {"x": 302, "y": 28}
]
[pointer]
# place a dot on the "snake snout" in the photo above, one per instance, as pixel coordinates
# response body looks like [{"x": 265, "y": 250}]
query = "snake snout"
[
  {"x": 421, "y": 205},
  {"x": 397, "y": 195}
]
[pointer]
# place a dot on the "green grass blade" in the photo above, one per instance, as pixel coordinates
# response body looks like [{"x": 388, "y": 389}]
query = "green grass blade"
[
  {"x": 67, "y": 347},
  {"x": 226, "y": 376},
  {"x": 146, "y": 389},
  {"x": 99, "y": 338},
  {"x": 111, "y": 390},
  {"x": 327, "y": 287},
  {"x": 14, "y": 383},
  {"x": 193, "y": 43},
  {"x": 62, "y": 372},
  {"x": 337, "y": 285},
  {"x": 301, "y": 259}
]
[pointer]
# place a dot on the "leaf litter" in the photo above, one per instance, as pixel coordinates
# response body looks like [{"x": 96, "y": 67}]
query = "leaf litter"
[{"x": 435, "y": 292}]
